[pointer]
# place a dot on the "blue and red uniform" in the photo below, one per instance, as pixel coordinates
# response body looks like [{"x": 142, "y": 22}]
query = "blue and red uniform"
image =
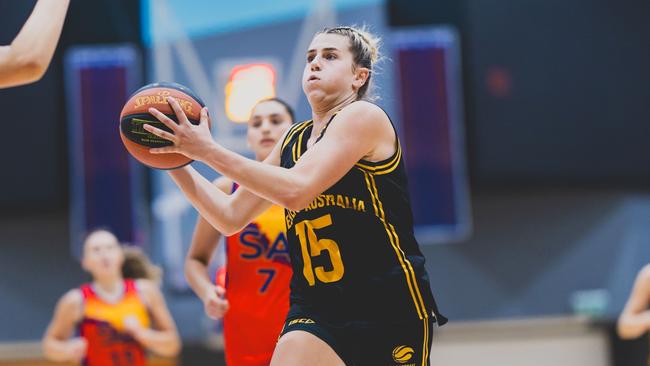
[{"x": 257, "y": 287}]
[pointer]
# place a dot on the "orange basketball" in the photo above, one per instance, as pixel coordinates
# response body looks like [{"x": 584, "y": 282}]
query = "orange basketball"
[{"x": 135, "y": 114}]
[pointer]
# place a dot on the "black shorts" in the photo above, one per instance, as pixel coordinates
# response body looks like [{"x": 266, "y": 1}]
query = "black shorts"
[{"x": 368, "y": 344}]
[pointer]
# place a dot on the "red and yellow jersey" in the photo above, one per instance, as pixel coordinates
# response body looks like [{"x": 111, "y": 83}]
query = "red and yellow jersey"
[
  {"x": 103, "y": 327},
  {"x": 257, "y": 287}
]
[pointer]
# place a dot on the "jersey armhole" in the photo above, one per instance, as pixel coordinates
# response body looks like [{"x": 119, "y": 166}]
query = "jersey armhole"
[
  {"x": 387, "y": 165},
  {"x": 130, "y": 286},
  {"x": 86, "y": 292}
]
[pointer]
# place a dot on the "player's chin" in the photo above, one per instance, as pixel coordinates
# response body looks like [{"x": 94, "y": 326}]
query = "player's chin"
[{"x": 315, "y": 94}]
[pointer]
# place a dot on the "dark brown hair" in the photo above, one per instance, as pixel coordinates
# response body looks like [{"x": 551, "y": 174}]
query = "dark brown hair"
[
  {"x": 283, "y": 103},
  {"x": 137, "y": 265}
]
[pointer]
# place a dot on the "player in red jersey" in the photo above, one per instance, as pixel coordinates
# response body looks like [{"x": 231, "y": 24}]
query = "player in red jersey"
[
  {"x": 255, "y": 300},
  {"x": 114, "y": 314}
]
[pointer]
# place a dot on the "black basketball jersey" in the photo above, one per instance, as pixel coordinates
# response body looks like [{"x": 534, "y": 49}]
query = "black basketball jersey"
[{"x": 353, "y": 251}]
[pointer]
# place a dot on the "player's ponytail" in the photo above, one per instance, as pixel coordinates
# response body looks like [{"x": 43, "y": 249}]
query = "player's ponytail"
[{"x": 138, "y": 266}]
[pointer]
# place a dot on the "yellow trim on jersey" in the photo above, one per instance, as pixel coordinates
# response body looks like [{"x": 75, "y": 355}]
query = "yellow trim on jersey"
[
  {"x": 394, "y": 240},
  {"x": 384, "y": 168},
  {"x": 295, "y": 129},
  {"x": 293, "y": 152},
  {"x": 425, "y": 346},
  {"x": 296, "y": 151},
  {"x": 299, "y": 144}
]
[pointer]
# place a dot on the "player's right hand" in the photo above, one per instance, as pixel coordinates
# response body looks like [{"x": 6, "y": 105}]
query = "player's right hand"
[
  {"x": 214, "y": 302},
  {"x": 76, "y": 349}
]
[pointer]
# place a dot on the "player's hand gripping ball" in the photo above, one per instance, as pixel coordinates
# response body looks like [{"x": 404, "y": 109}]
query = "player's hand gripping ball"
[{"x": 135, "y": 115}]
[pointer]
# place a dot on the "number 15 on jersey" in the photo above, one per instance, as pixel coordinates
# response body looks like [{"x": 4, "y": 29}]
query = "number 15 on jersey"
[{"x": 311, "y": 246}]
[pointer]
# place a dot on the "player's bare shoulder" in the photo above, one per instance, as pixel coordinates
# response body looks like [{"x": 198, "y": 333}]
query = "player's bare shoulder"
[
  {"x": 644, "y": 276},
  {"x": 364, "y": 113},
  {"x": 71, "y": 303}
]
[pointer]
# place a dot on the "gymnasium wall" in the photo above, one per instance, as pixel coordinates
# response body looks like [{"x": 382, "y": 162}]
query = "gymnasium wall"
[
  {"x": 34, "y": 152},
  {"x": 558, "y": 119},
  {"x": 36, "y": 267},
  {"x": 559, "y": 92},
  {"x": 32, "y": 161},
  {"x": 532, "y": 251}
]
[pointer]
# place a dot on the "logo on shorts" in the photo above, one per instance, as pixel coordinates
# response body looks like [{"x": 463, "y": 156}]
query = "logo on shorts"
[
  {"x": 403, "y": 354},
  {"x": 301, "y": 321}
]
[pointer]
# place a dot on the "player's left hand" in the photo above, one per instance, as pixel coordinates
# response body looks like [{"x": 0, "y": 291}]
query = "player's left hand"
[
  {"x": 193, "y": 141},
  {"x": 132, "y": 326},
  {"x": 214, "y": 302}
]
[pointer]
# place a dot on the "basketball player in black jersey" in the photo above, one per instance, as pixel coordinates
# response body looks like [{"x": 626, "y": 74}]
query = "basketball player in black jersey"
[{"x": 360, "y": 294}]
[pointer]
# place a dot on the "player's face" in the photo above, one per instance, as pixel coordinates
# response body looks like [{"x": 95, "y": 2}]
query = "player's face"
[
  {"x": 329, "y": 69},
  {"x": 269, "y": 120},
  {"x": 103, "y": 255}
]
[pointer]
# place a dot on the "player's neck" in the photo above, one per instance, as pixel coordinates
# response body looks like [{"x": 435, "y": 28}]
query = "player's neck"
[
  {"x": 109, "y": 285},
  {"x": 322, "y": 113}
]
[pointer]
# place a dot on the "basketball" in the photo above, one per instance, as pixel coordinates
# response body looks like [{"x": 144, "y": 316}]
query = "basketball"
[{"x": 135, "y": 115}]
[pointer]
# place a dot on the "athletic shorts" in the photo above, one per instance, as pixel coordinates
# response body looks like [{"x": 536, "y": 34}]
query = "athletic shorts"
[{"x": 368, "y": 344}]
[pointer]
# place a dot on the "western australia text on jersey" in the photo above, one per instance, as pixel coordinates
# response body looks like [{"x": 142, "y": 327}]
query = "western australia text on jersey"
[{"x": 325, "y": 200}]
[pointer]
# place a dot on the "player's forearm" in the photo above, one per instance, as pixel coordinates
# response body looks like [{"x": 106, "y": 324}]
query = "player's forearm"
[
  {"x": 276, "y": 184},
  {"x": 30, "y": 53},
  {"x": 212, "y": 204},
  {"x": 40, "y": 34},
  {"x": 196, "y": 273},
  {"x": 633, "y": 325},
  {"x": 164, "y": 343},
  {"x": 55, "y": 350}
]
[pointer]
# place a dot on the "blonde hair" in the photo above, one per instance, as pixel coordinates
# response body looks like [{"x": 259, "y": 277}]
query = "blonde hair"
[
  {"x": 137, "y": 265},
  {"x": 364, "y": 47}
]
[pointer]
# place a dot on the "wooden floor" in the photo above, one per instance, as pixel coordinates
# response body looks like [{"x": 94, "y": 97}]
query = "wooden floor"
[
  {"x": 31, "y": 354},
  {"x": 152, "y": 362}
]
